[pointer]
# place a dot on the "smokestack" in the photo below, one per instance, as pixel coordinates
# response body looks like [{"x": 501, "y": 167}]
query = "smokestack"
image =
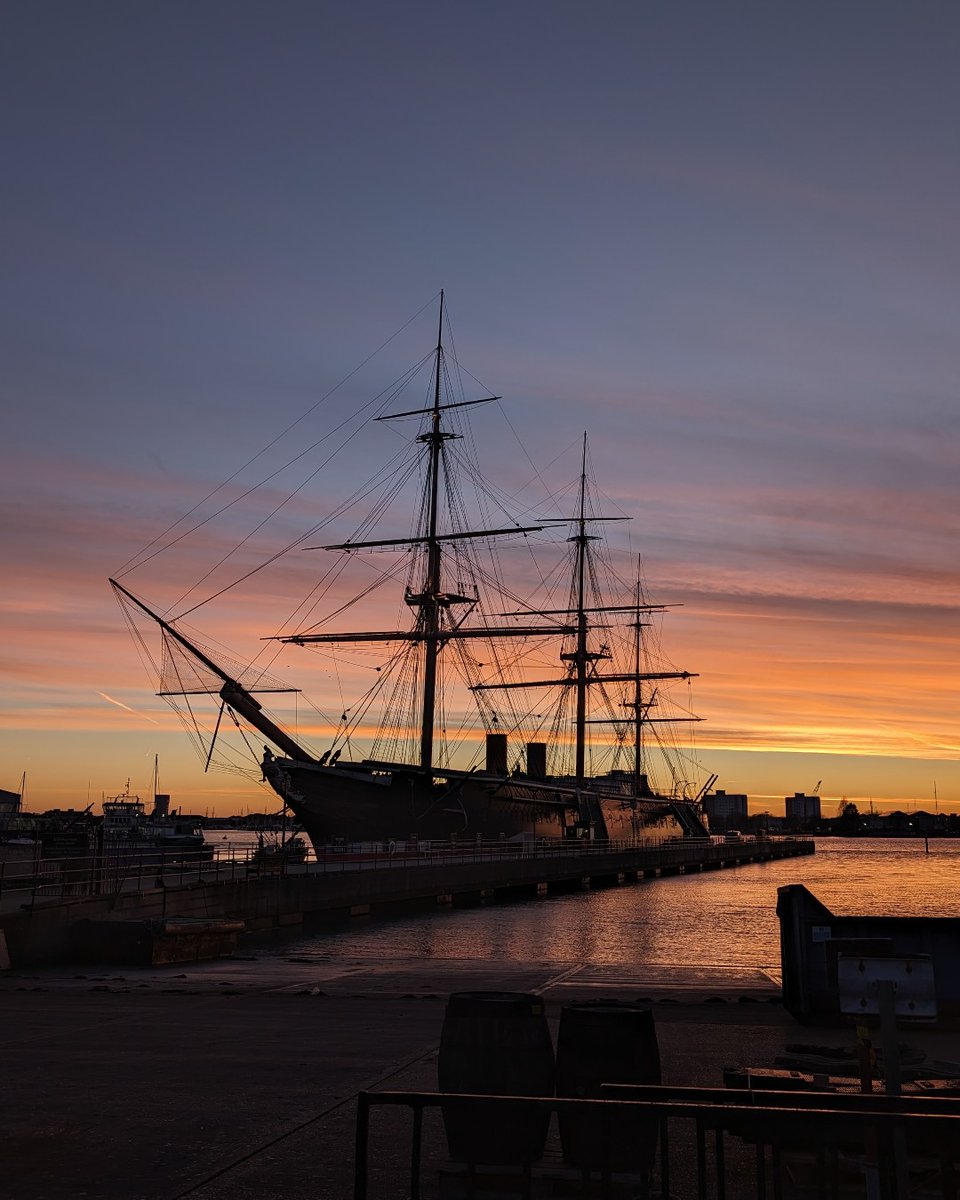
[
  {"x": 537, "y": 760},
  {"x": 497, "y": 753},
  {"x": 161, "y": 805}
]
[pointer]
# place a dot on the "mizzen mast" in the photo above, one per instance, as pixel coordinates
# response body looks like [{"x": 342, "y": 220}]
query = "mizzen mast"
[
  {"x": 639, "y": 712},
  {"x": 639, "y": 705},
  {"x": 582, "y": 675}
]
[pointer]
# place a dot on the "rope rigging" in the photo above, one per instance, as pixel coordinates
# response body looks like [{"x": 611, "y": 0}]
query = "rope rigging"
[{"x": 470, "y": 590}]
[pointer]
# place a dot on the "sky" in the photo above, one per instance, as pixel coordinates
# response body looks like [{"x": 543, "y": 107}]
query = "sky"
[{"x": 721, "y": 238}]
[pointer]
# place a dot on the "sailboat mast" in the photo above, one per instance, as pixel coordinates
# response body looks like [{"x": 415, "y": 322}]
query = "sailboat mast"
[
  {"x": 430, "y": 612},
  {"x": 638, "y": 763},
  {"x": 581, "y": 656}
]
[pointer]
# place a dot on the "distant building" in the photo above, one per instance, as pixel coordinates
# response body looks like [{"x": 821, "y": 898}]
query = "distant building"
[
  {"x": 9, "y": 808},
  {"x": 9, "y": 803},
  {"x": 725, "y": 810},
  {"x": 802, "y": 809}
]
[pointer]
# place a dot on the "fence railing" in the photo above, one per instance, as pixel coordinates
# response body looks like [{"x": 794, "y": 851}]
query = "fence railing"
[
  {"x": 700, "y": 1142},
  {"x": 385, "y": 854},
  {"x": 110, "y": 872},
  {"x": 119, "y": 869}
]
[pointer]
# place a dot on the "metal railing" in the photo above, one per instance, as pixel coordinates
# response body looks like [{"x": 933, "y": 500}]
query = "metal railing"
[
  {"x": 386, "y": 855},
  {"x": 711, "y": 1143},
  {"x": 115, "y": 870},
  {"x": 30, "y": 881}
]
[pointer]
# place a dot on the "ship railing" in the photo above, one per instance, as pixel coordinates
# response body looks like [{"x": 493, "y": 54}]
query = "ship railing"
[
  {"x": 104, "y": 873},
  {"x": 652, "y": 1141}
]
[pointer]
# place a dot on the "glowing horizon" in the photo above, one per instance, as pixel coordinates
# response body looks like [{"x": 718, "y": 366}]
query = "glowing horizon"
[{"x": 731, "y": 257}]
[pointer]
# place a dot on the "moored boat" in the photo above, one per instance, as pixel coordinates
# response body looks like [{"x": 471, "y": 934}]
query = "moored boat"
[
  {"x": 128, "y": 830},
  {"x": 414, "y": 782}
]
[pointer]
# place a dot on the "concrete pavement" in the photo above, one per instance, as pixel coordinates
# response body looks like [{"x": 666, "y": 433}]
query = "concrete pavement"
[{"x": 238, "y": 1078}]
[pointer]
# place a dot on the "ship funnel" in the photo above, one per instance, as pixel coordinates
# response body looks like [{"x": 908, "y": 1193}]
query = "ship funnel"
[
  {"x": 496, "y": 753},
  {"x": 161, "y": 805},
  {"x": 537, "y": 760}
]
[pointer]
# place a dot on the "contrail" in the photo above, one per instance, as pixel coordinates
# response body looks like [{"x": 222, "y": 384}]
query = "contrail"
[{"x": 111, "y": 700}]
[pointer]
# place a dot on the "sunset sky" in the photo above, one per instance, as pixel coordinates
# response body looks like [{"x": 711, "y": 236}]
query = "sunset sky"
[{"x": 724, "y": 239}]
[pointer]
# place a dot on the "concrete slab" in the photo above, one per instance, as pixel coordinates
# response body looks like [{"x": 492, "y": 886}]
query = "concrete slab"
[{"x": 238, "y": 1079}]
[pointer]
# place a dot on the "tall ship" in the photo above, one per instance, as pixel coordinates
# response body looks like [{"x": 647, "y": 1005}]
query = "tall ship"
[{"x": 498, "y": 708}]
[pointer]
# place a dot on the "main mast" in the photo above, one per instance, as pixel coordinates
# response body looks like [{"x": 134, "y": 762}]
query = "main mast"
[
  {"x": 581, "y": 656},
  {"x": 581, "y": 677},
  {"x": 639, "y": 767}
]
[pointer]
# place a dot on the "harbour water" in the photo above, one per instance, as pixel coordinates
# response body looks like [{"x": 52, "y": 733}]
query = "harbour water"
[{"x": 717, "y": 919}]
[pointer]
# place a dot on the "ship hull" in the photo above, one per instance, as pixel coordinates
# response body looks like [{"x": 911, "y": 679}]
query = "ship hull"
[{"x": 342, "y": 805}]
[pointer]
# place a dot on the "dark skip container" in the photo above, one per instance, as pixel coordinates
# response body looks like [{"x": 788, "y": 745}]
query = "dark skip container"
[
  {"x": 606, "y": 1041},
  {"x": 495, "y": 1044}
]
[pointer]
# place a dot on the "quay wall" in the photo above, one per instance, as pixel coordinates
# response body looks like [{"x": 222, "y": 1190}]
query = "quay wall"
[{"x": 41, "y": 930}]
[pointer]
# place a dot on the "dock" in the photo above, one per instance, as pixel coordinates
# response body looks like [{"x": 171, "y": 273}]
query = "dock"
[
  {"x": 239, "y": 1079},
  {"x": 45, "y": 913}
]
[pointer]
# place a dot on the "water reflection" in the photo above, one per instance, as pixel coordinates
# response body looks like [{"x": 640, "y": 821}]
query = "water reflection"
[{"x": 719, "y": 918}]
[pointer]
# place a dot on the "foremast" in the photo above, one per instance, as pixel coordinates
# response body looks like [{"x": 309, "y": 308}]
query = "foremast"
[
  {"x": 429, "y": 601},
  {"x": 432, "y": 601}
]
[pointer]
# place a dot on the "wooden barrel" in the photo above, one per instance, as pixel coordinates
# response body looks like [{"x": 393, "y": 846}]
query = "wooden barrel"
[
  {"x": 606, "y": 1041},
  {"x": 495, "y": 1044}
]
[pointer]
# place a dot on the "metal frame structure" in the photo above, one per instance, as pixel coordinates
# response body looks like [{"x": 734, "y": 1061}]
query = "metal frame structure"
[{"x": 875, "y": 1133}]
